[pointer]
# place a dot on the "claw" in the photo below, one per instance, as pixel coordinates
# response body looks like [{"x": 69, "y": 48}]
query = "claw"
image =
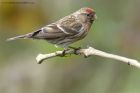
[
  {"x": 64, "y": 52},
  {"x": 75, "y": 49}
]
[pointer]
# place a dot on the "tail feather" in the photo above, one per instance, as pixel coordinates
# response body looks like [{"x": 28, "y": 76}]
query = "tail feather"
[
  {"x": 29, "y": 35},
  {"x": 19, "y": 37}
]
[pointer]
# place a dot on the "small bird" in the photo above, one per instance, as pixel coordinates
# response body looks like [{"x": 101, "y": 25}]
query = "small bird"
[{"x": 65, "y": 31}]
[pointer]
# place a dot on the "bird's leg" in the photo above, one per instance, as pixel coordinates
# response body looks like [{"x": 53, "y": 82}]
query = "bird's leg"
[
  {"x": 64, "y": 52},
  {"x": 70, "y": 47},
  {"x": 75, "y": 49}
]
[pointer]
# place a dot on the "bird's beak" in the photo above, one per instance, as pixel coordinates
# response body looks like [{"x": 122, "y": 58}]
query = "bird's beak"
[{"x": 95, "y": 16}]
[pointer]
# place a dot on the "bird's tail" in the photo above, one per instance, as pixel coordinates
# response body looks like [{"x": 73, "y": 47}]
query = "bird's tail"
[{"x": 20, "y": 37}]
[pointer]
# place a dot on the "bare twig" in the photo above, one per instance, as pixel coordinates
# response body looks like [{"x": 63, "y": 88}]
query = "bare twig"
[{"x": 88, "y": 52}]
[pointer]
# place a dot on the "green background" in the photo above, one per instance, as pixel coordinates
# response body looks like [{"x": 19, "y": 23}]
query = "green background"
[{"x": 117, "y": 31}]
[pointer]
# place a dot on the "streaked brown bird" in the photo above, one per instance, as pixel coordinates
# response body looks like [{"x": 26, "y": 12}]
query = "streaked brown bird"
[{"x": 65, "y": 31}]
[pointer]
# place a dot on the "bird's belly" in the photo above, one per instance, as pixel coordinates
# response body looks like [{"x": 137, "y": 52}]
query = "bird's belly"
[{"x": 67, "y": 40}]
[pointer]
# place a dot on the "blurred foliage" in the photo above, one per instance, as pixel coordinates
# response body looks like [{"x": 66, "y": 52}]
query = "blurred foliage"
[{"x": 117, "y": 30}]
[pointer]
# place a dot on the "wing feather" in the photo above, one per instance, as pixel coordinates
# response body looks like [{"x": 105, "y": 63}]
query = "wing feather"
[{"x": 65, "y": 27}]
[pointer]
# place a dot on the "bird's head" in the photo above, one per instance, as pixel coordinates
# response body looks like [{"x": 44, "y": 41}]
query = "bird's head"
[{"x": 86, "y": 14}]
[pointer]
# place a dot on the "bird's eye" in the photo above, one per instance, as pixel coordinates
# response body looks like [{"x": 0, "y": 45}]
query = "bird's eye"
[{"x": 88, "y": 14}]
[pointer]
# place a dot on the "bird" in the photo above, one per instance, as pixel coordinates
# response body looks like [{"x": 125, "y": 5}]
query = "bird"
[{"x": 65, "y": 31}]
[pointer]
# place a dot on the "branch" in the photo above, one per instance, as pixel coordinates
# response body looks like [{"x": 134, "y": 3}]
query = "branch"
[{"x": 88, "y": 52}]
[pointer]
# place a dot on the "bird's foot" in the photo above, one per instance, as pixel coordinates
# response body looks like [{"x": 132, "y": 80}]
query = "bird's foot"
[
  {"x": 75, "y": 49},
  {"x": 64, "y": 52}
]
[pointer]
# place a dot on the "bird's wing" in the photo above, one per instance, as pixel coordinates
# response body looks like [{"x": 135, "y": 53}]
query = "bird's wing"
[
  {"x": 48, "y": 32},
  {"x": 56, "y": 30}
]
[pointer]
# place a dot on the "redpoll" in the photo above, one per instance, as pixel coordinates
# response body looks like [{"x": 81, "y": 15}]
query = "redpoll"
[{"x": 65, "y": 31}]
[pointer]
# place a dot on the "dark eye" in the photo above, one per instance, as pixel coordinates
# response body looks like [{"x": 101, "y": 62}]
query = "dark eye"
[{"x": 88, "y": 14}]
